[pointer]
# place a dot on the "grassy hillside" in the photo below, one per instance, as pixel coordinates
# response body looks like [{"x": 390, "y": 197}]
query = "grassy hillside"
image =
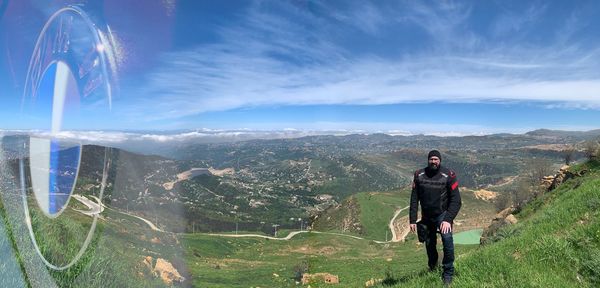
[
  {"x": 368, "y": 214},
  {"x": 376, "y": 210},
  {"x": 555, "y": 244},
  {"x": 113, "y": 258},
  {"x": 252, "y": 262}
]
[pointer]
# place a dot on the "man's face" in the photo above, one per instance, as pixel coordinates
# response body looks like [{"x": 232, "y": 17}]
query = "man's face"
[{"x": 434, "y": 162}]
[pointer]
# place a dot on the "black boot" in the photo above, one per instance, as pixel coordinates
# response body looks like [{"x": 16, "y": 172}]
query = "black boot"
[{"x": 447, "y": 281}]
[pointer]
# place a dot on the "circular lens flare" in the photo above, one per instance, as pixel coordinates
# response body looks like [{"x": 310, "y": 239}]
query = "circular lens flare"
[{"x": 54, "y": 164}]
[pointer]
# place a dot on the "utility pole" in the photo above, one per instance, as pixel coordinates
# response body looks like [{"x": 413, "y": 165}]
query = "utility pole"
[{"x": 386, "y": 231}]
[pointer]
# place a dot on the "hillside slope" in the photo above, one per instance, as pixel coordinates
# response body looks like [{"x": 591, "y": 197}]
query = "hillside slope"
[
  {"x": 555, "y": 244},
  {"x": 367, "y": 214}
]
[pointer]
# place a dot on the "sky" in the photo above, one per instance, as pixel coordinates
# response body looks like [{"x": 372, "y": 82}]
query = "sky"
[{"x": 398, "y": 67}]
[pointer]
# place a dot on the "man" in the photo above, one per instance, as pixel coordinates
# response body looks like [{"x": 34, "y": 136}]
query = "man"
[{"x": 436, "y": 188}]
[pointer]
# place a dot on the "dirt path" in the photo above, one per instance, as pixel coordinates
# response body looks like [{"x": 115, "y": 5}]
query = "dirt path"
[
  {"x": 398, "y": 230},
  {"x": 402, "y": 228}
]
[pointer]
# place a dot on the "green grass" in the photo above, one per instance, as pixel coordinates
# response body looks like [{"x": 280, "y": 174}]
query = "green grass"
[
  {"x": 61, "y": 238},
  {"x": 555, "y": 244},
  {"x": 376, "y": 211},
  {"x": 113, "y": 258},
  {"x": 250, "y": 262}
]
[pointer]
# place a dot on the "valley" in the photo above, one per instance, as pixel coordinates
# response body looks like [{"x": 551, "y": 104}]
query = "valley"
[{"x": 263, "y": 213}]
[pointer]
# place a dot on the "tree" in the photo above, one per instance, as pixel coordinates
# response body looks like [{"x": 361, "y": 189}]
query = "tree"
[
  {"x": 568, "y": 155},
  {"x": 590, "y": 148},
  {"x": 524, "y": 193},
  {"x": 536, "y": 169},
  {"x": 504, "y": 200}
]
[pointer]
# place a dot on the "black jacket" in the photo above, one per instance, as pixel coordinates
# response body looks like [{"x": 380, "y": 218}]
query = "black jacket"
[{"x": 437, "y": 191}]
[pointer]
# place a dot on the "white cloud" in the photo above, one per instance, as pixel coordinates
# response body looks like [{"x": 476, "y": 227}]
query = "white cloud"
[
  {"x": 204, "y": 135},
  {"x": 87, "y": 136},
  {"x": 271, "y": 60}
]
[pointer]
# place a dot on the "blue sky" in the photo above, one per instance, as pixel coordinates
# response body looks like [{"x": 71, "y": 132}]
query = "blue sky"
[{"x": 463, "y": 67}]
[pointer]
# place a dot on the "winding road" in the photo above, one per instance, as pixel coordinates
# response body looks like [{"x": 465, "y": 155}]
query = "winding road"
[
  {"x": 93, "y": 207},
  {"x": 403, "y": 232},
  {"x": 395, "y": 234}
]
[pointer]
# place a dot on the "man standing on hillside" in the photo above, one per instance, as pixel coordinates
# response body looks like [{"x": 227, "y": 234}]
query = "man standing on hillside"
[{"x": 436, "y": 188}]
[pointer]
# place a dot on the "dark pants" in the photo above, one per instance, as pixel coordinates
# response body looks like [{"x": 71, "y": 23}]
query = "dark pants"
[{"x": 433, "y": 226}]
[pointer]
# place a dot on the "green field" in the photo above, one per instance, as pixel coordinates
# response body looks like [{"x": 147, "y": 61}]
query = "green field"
[
  {"x": 555, "y": 244},
  {"x": 376, "y": 211},
  {"x": 252, "y": 262},
  {"x": 365, "y": 214}
]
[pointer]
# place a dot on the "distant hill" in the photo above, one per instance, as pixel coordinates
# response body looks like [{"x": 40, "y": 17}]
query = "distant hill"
[
  {"x": 273, "y": 182},
  {"x": 581, "y": 135}
]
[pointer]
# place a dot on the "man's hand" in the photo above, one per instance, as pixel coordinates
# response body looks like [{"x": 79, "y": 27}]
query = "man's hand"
[
  {"x": 413, "y": 228},
  {"x": 445, "y": 227}
]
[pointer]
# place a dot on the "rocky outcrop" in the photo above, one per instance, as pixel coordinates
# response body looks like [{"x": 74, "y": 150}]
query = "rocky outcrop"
[
  {"x": 511, "y": 219},
  {"x": 485, "y": 195},
  {"x": 504, "y": 213},
  {"x": 163, "y": 269},
  {"x": 147, "y": 262},
  {"x": 503, "y": 218},
  {"x": 373, "y": 282},
  {"x": 552, "y": 182},
  {"x": 320, "y": 277}
]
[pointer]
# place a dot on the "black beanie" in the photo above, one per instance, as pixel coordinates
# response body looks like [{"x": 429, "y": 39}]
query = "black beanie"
[{"x": 434, "y": 153}]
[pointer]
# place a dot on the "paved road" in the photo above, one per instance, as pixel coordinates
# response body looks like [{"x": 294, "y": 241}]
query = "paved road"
[
  {"x": 93, "y": 207},
  {"x": 289, "y": 236},
  {"x": 292, "y": 234},
  {"x": 152, "y": 226}
]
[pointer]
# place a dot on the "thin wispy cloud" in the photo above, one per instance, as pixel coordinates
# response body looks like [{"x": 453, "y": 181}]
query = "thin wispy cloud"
[
  {"x": 274, "y": 60},
  {"x": 512, "y": 22}
]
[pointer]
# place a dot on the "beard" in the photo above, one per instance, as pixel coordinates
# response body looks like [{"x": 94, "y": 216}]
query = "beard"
[{"x": 434, "y": 166}]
